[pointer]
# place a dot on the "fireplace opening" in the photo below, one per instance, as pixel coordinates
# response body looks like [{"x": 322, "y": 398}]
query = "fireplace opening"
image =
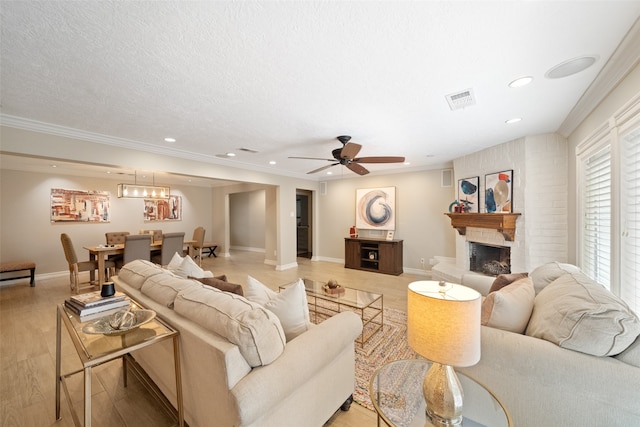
[{"x": 487, "y": 259}]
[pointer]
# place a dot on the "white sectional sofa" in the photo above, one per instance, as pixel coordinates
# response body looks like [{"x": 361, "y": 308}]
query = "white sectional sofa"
[
  {"x": 237, "y": 368},
  {"x": 547, "y": 382}
]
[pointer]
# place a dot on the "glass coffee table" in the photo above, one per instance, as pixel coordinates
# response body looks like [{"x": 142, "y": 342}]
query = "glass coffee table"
[
  {"x": 396, "y": 393},
  {"x": 368, "y": 305},
  {"x": 96, "y": 349}
]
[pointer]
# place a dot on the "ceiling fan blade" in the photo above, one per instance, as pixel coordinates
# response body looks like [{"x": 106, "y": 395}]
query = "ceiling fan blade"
[
  {"x": 350, "y": 150},
  {"x": 311, "y": 158},
  {"x": 359, "y": 169},
  {"x": 322, "y": 168},
  {"x": 380, "y": 159}
]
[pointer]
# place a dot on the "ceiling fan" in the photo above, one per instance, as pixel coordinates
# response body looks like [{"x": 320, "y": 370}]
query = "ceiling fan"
[{"x": 347, "y": 156}]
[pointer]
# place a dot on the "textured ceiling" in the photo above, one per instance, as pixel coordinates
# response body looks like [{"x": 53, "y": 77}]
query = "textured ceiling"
[{"x": 286, "y": 78}]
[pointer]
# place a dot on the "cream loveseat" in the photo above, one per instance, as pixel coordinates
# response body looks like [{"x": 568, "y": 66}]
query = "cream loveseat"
[
  {"x": 260, "y": 380},
  {"x": 555, "y": 381}
]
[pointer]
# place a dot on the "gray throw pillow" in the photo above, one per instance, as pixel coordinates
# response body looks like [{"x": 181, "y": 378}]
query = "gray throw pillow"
[{"x": 577, "y": 313}]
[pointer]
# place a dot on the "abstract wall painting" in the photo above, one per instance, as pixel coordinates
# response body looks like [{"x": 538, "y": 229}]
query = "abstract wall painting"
[
  {"x": 499, "y": 192},
  {"x": 163, "y": 209},
  {"x": 375, "y": 208},
  {"x": 80, "y": 206},
  {"x": 468, "y": 190}
]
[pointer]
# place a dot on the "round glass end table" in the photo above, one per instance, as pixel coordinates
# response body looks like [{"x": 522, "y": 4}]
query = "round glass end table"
[{"x": 396, "y": 394}]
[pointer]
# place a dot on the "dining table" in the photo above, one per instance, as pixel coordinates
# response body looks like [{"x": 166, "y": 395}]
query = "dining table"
[{"x": 100, "y": 253}]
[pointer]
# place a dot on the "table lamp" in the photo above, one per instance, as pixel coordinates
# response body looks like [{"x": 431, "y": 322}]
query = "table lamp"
[{"x": 443, "y": 325}]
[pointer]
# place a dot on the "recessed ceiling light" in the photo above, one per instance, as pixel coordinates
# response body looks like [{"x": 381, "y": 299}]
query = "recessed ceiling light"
[
  {"x": 571, "y": 67},
  {"x": 514, "y": 120},
  {"x": 407, "y": 163},
  {"x": 54, "y": 166},
  {"x": 108, "y": 172},
  {"x": 521, "y": 81},
  {"x": 231, "y": 154},
  {"x": 329, "y": 173},
  {"x": 272, "y": 162},
  {"x": 169, "y": 140}
]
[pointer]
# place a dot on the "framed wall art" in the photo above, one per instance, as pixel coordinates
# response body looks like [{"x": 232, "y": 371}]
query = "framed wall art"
[
  {"x": 468, "y": 190},
  {"x": 80, "y": 206},
  {"x": 375, "y": 208},
  {"x": 163, "y": 209},
  {"x": 499, "y": 192}
]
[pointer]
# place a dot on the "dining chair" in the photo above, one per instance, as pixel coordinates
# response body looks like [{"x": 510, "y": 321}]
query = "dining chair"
[
  {"x": 115, "y": 238},
  {"x": 76, "y": 267},
  {"x": 171, "y": 243},
  {"x": 198, "y": 238},
  {"x": 136, "y": 246}
]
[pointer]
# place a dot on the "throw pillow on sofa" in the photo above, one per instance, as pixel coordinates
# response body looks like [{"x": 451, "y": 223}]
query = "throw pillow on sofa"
[
  {"x": 188, "y": 267},
  {"x": 509, "y": 308},
  {"x": 577, "y": 313},
  {"x": 547, "y": 273},
  {"x": 223, "y": 285},
  {"x": 290, "y": 305},
  {"x": 503, "y": 280},
  {"x": 255, "y": 330}
]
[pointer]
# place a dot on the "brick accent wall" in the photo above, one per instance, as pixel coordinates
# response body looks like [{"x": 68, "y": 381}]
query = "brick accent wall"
[{"x": 540, "y": 194}]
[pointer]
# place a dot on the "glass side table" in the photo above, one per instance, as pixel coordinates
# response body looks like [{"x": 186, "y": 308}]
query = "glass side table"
[
  {"x": 396, "y": 393},
  {"x": 95, "y": 350}
]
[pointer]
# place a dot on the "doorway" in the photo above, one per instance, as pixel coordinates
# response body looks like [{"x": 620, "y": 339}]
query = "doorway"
[{"x": 303, "y": 223}]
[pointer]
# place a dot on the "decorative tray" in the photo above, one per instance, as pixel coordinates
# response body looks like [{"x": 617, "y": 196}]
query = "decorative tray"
[{"x": 104, "y": 326}]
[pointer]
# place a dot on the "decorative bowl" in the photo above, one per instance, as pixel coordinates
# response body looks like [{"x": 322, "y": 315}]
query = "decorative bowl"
[{"x": 103, "y": 326}]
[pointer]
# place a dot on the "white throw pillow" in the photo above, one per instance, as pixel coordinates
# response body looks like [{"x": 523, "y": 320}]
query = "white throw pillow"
[
  {"x": 509, "y": 308},
  {"x": 578, "y": 313},
  {"x": 188, "y": 268},
  {"x": 175, "y": 262},
  {"x": 290, "y": 305}
]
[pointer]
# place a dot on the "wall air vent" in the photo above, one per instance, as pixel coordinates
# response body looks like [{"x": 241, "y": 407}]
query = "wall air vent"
[{"x": 461, "y": 99}]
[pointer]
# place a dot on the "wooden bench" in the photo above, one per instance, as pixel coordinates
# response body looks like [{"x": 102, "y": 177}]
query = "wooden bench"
[
  {"x": 8, "y": 267},
  {"x": 211, "y": 247}
]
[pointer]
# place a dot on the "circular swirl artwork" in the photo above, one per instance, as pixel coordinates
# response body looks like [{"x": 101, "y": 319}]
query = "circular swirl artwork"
[{"x": 375, "y": 209}]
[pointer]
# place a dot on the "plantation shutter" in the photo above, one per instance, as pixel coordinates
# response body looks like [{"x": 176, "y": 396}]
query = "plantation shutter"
[
  {"x": 630, "y": 216},
  {"x": 596, "y": 234}
]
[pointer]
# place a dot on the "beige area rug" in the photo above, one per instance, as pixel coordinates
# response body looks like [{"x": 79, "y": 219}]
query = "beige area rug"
[{"x": 386, "y": 345}]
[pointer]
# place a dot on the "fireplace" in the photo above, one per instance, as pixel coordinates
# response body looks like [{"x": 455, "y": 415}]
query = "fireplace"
[{"x": 488, "y": 259}]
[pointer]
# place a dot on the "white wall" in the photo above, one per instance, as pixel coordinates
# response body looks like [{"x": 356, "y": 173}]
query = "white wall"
[
  {"x": 26, "y": 231},
  {"x": 420, "y": 221},
  {"x": 247, "y": 213}
]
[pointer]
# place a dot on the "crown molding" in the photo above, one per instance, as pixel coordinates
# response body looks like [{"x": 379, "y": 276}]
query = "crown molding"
[
  {"x": 67, "y": 132},
  {"x": 623, "y": 60}
]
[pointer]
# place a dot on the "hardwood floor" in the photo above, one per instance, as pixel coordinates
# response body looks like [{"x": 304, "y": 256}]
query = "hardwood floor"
[{"x": 27, "y": 346}]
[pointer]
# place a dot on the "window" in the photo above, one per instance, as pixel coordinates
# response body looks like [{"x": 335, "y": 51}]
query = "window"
[
  {"x": 609, "y": 204},
  {"x": 596, "y": 211},
  {"x": 630, "y": 220}
]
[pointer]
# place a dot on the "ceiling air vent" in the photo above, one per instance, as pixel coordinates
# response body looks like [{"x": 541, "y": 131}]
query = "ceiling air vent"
[
  {"x": 461, "y": 99},
  {"x": 248, "y": 150}
]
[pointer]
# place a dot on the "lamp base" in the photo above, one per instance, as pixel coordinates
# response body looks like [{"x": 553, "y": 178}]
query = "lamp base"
[{"x": 443, "y": 395}]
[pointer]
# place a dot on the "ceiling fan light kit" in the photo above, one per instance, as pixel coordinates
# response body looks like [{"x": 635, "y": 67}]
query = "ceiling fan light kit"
[{"x": 347, "y": 156}]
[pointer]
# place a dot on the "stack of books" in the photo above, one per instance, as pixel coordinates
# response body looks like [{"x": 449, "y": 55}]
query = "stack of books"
[{"x": 92, "y": 305}]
